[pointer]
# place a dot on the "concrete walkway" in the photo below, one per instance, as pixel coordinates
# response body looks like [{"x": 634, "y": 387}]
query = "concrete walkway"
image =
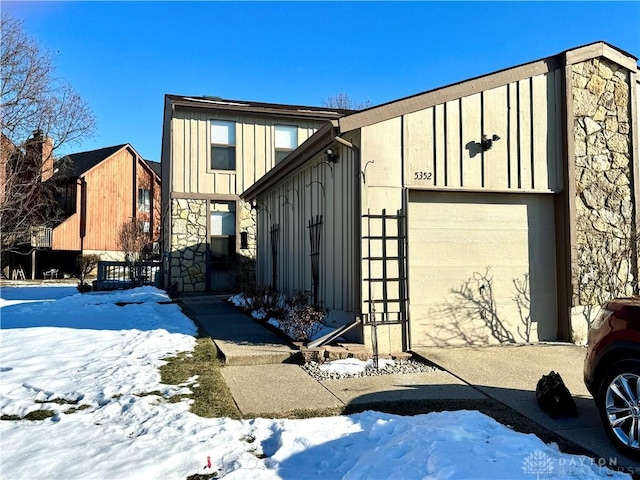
[
  {"x": 240, "y": 339},
  {"x": 263, "y": 384}
]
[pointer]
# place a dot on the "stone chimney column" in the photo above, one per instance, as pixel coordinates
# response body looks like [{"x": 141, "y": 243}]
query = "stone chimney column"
[{"x": 40, "y": 148}]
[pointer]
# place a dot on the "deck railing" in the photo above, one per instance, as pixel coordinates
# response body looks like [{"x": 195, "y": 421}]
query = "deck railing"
[
  {"x": 41, "y": 237},
  {"x": 121, "y": 275}
]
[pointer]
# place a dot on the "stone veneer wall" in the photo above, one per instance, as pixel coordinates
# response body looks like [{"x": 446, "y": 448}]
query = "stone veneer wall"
[
  {"x": 188, "y": 265},
  {"x": 247, "y": 223},
  {"x": 603, "y": 174}
]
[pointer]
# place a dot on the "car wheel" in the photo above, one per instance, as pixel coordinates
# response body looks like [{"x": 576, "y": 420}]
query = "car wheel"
[{"x": 619, "y": 406}]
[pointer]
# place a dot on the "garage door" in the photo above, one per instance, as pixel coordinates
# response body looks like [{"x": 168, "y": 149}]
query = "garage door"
[{"x": 481, "y": 268}]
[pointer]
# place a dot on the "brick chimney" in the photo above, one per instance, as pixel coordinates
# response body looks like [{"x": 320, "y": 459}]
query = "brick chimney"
[{"x": 40, "y": 151}]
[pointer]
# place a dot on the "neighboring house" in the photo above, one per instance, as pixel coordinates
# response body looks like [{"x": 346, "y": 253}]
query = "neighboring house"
[
  {"x": 212, "y": 150},
  {"x": 99, "y": 191},
  {"x": 490, "y": 210},
  {"x": 26, "y": 199}
]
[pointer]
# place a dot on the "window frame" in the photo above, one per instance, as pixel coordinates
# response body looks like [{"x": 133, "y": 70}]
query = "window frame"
[
  {"x": 280, "y": 153},
  {"x": 146, "y": 203},
  {"x": 230, "y": 147},
  {"x": 231, "y": 239}
]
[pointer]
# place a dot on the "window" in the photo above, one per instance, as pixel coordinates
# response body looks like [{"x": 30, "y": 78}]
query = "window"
[
  {"x": 144, "y": 200},
  {"x": 286, "y": 141},
  {"x": 223, "y": 145},
  {"x": 146, "y": 227},
  {"x": 223, "y": 223},
  {"x": 223, "y": 235}
]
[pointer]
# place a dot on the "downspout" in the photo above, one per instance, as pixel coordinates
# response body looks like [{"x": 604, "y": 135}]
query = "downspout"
[
  {"x": 357, "y": 229},
  {"x": 83, "y": 212}
]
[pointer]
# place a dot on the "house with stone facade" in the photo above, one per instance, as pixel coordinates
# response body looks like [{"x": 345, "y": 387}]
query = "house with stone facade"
[
  {"x": 212, "y": 150},
  {"x": 502, "y": 208}
]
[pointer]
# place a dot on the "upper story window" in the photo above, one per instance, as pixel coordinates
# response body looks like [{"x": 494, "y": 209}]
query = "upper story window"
[
  {"x": 144, "y": 200},
  {"x": 223, "y": 145},
  {"x": 286, "y": 140}
]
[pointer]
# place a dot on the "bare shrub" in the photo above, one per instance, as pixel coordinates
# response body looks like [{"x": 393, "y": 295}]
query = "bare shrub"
[
  {"x": 302, "y": 320},
  {"x": 133, "y": 241},
  {"x": 270, "y": 301},
  {"x": 86, "y": 263}
]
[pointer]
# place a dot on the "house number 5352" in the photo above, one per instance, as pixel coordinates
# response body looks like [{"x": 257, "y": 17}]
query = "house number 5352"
[{"x": 422, "y": 175}]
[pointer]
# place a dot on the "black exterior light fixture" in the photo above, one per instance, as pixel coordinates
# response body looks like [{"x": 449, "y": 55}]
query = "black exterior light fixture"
[
  {"x": 487, "y": 142},
  {"x": 331, "y": 154},
  {"x": 244, "y": 240}
]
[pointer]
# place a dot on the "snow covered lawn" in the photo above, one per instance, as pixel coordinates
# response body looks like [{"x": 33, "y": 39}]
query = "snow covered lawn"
[{"x": 93, "y": 363}]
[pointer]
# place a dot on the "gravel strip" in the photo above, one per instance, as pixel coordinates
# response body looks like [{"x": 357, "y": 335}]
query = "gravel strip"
[{"x": 400, "y": 367}]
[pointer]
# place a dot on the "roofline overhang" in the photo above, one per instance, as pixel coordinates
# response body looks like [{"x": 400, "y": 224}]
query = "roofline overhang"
[
  {"x": 485, "y": 82},
  {"x": 266, "y": 109},
  {"x": 327, "y": 134},
  {"x": 322, "y": 138},
  {"x": 124, "y": 146},
  {"x": 144, "y": 163}
]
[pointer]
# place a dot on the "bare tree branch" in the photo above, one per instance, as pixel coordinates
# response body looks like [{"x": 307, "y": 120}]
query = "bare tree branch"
[
  {"x": 40, "y": 114},
  {"x": 134, "y": 243},
  {"x": 342, "y": 101}
]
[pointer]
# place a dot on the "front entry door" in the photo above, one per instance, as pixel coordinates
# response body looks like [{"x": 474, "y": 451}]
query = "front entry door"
[{"x": 222, "y": 246}]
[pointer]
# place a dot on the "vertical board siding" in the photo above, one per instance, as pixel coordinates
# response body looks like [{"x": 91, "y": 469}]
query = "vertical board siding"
[
  {"x": 524, "y": 134},
  {"x": 512, "y": 138},
  {"x": 110, "y": 194},
  {"x": 453, "y": 145},
  {"x": 539, "y": 87},
  {"x": 495, "y": 120},
  {"x": 442, "y": 143},
  {"x": 471, "y": 134},
  {"x": 440, "y": 138},
  {"x": 316, "y": 189},
  {"x": 191, "y": 145}
]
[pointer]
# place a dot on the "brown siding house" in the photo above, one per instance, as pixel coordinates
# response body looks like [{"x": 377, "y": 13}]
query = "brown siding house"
[{"x": 99, "y": 191}]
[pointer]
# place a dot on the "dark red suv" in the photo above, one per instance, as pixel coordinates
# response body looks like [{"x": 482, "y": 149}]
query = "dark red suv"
[{"x": 612, "y": 371}]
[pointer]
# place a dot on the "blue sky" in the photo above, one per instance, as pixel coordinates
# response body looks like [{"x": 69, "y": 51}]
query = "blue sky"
[{"x": 122, "y": 57}]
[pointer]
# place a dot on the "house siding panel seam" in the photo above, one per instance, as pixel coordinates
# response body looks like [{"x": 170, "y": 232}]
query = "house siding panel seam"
[
  {"x": 321, "y": 190},
  {"x": 443, "y": 142}
]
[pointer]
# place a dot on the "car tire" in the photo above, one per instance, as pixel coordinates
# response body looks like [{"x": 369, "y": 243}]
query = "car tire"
[{"x": 619, "y": 406}]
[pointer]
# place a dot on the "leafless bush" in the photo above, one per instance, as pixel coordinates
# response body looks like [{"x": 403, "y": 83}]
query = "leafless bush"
[
  {"x": 606, "y": 269},
  {"x": 302, "y": 320},
  {"x": 133, "y": 241},
  {"x": 269, "y": 300},
  {"x": 86, "y": 263}
]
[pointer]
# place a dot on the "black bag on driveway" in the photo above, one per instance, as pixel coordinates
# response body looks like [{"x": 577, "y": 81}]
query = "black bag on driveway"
[{"x": 554, "y": 397}]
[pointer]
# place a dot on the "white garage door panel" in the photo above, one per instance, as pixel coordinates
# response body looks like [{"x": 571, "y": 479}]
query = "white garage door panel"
[
  {"x": 472, "y": 246},
  {"x": 456, "y": 239}
]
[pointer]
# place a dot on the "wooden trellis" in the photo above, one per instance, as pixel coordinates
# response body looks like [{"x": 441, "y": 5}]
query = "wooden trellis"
[
  {"x": 275, "y": 234},
  {"x": 315, "y": 230},
  {"x": 384, "y": 308}
]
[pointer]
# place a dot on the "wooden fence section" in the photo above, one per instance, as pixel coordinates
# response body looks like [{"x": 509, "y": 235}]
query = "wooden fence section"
[{"x": 120, "y": 275}]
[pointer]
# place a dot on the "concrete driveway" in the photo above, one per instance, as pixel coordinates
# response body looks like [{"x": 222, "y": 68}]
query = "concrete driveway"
[{"x": 510, "y": 373}]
